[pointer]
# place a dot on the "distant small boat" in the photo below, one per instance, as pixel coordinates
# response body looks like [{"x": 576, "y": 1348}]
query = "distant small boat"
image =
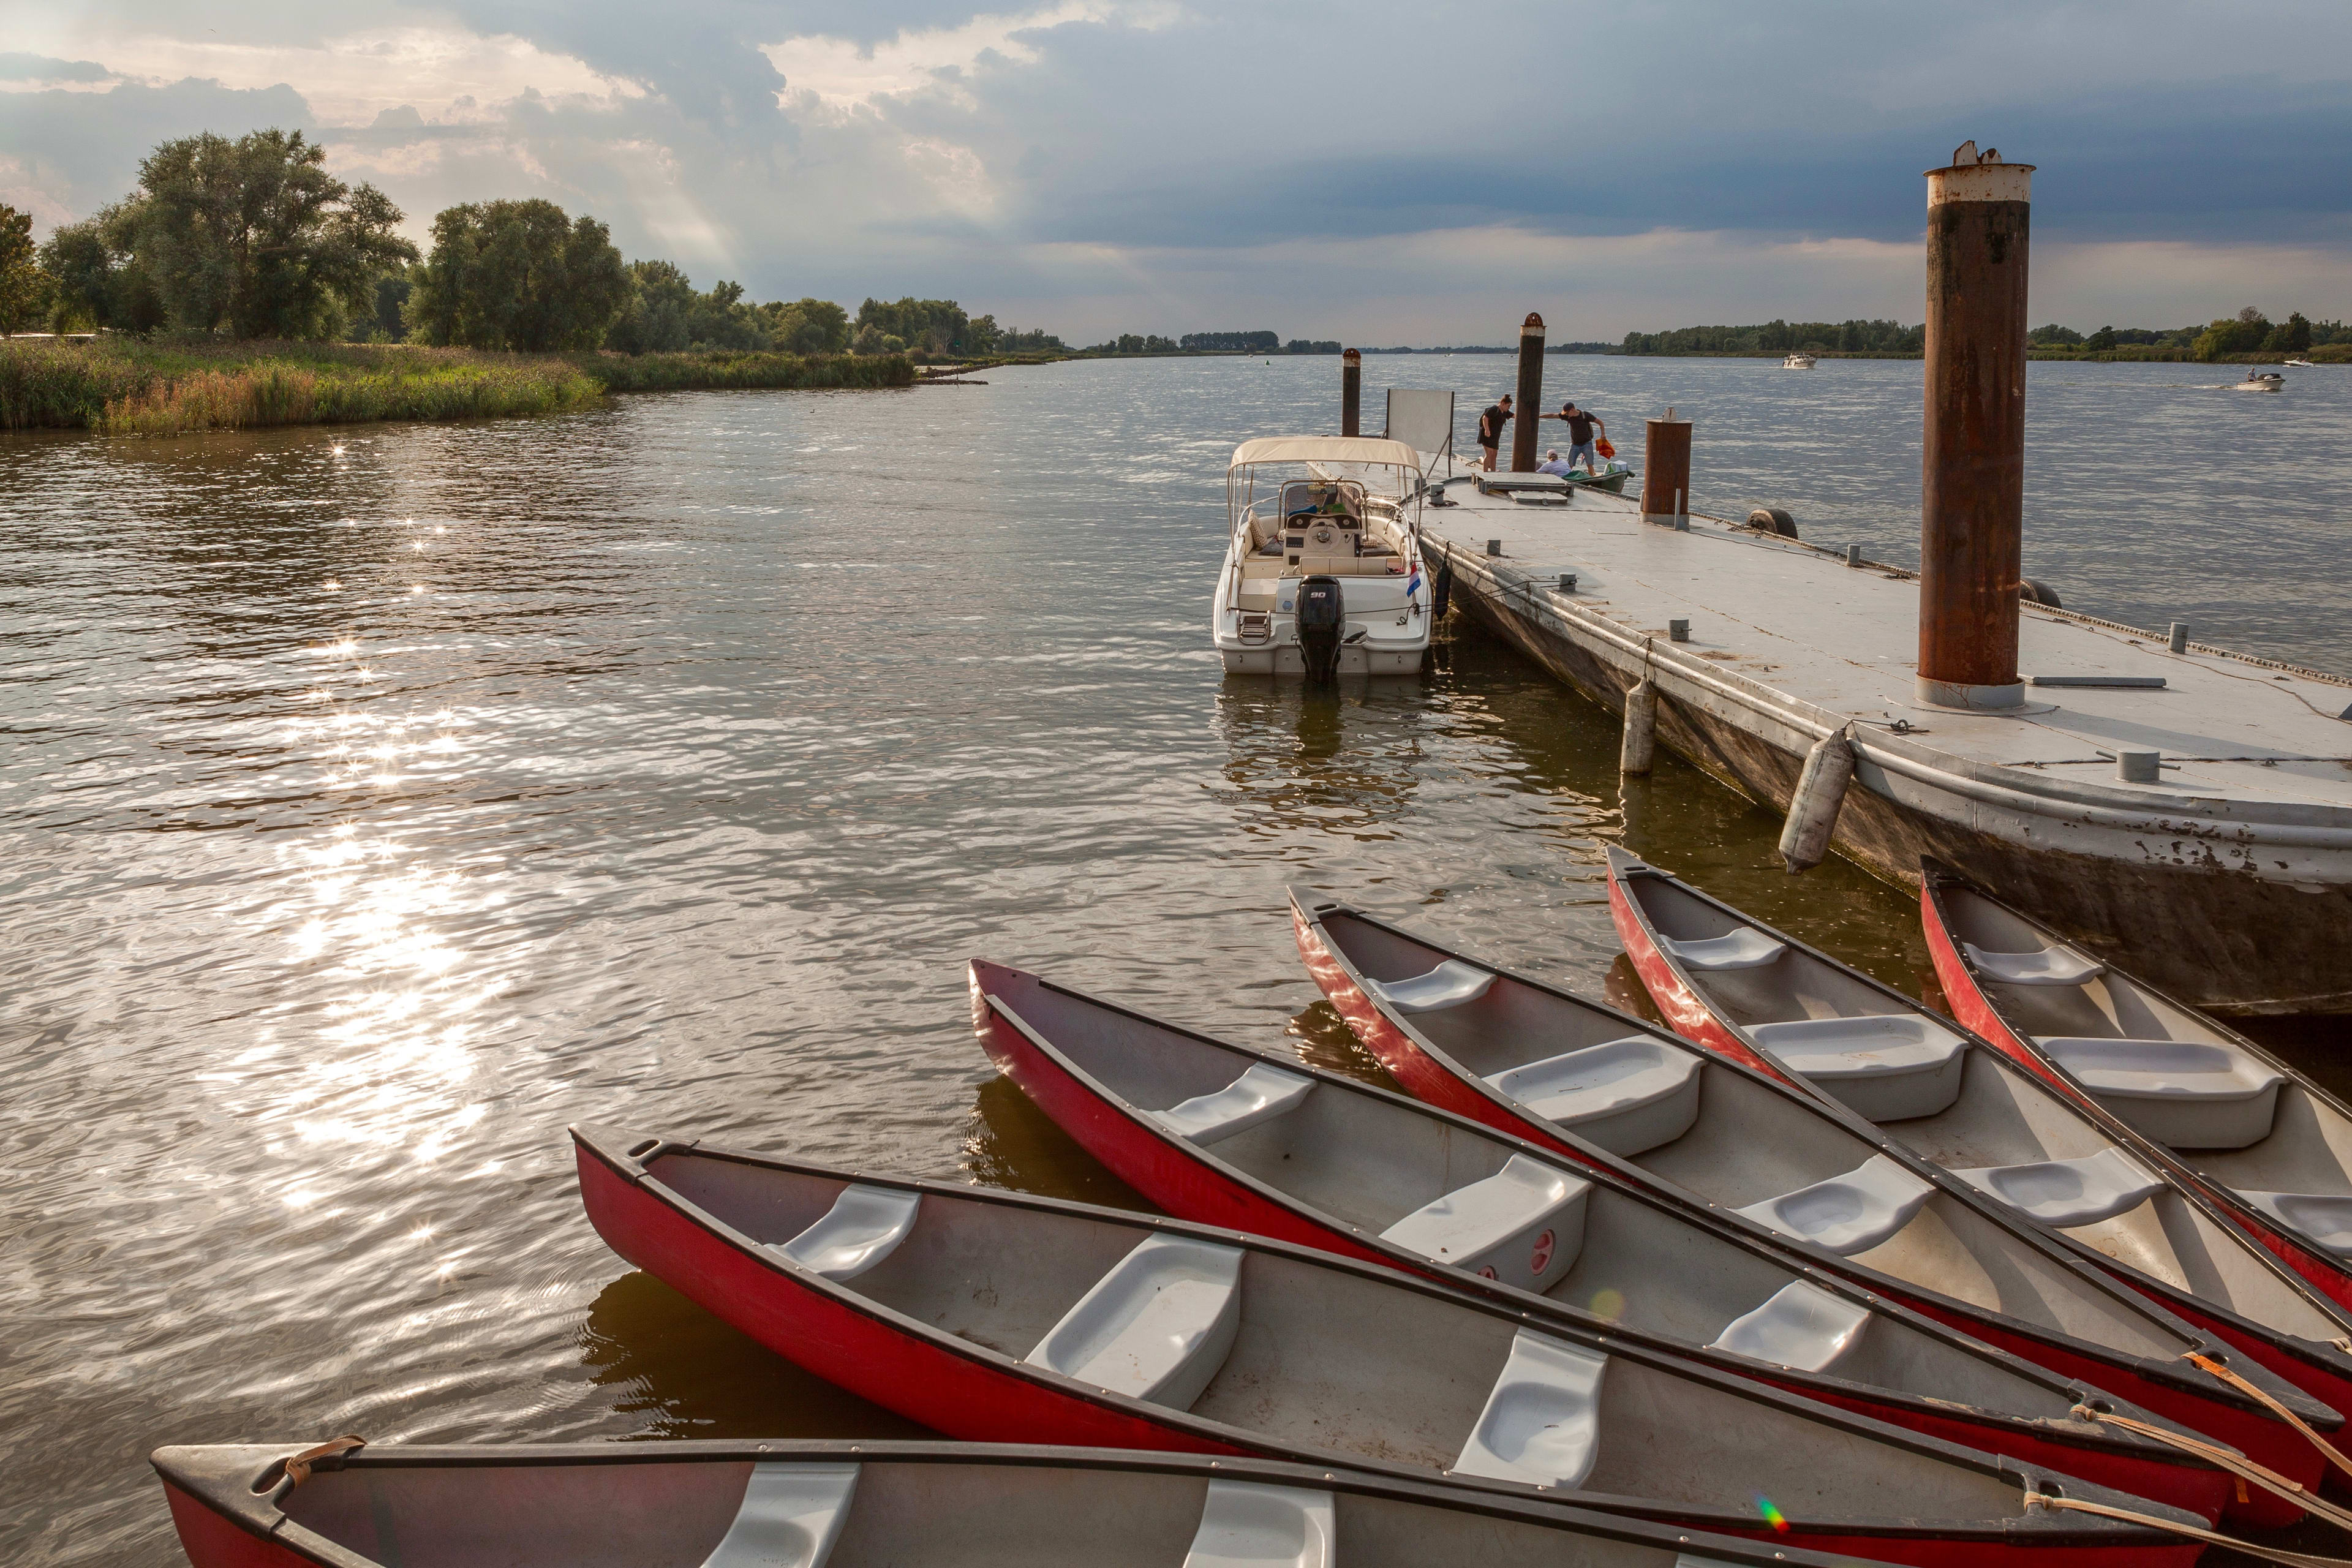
[
  {"x": 1798, "y": 361},
  {"x": 2263, "y": 1139},
  {"x": 2266, "y": 381},
  {"x": 2302, "y": 364},
  {"x": 788, "y": 1503}
]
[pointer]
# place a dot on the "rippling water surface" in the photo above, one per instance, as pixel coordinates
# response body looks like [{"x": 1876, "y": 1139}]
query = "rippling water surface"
[{"x": 378, "y": 801}]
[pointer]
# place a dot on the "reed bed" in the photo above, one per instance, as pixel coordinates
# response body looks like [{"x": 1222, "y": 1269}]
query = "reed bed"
[{"x": 117, "y": 386}]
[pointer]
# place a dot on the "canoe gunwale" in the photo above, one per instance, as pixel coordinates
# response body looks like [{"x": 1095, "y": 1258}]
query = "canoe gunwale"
[
  {"x": 1964, "y": 987},
  {"x": 2026, "y": 1528}
]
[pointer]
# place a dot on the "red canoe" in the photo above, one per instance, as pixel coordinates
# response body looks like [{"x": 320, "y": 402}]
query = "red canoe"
[
  {"x": 2262, "y": 1139},
  {"x": 1221, "y": 1134},
  {"x": 1763, "y": 1153},
  {"x": 837, "y": 1504},
  {"x": 1000, "y": 1317},
  {"x": 1927, "y": 1087}
]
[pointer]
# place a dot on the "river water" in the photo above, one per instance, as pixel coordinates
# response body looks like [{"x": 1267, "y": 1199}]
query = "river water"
[{"x": 378, "y": 801}]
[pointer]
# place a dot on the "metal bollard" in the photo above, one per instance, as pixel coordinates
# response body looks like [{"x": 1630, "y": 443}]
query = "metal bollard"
[
  {"x": 2139, "y": 767},
  {"x": 1568, "y": 581},
  {"x": 1678, "y": 629},
  {"x": 1493, "y": 547},
  {"x": 1853, "y": 554},
  {"x": 2180, "y": 636}
]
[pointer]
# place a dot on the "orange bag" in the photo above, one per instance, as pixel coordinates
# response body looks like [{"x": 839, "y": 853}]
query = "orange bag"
[{"x": 1605, "y": 446}]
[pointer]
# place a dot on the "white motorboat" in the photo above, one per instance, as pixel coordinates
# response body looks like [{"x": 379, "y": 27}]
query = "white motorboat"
[
  {"x": 2301, "y": 364},
  {"x": 1323, "y": 574},
  {"x": 1798, "y": 361},
  {"x": 2263, "y": 381}
]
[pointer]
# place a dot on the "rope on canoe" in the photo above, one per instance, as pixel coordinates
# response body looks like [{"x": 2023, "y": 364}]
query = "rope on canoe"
[
  {"x": 298, "y": 1469},
  {"x": 2282, "y": 1412},
  {"x": 2210, "y": 1537},
  {"x": 2228, "y": 1459}
]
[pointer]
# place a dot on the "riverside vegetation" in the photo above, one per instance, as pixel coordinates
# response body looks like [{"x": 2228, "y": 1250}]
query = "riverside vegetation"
[{"x": 168, "y": 388}]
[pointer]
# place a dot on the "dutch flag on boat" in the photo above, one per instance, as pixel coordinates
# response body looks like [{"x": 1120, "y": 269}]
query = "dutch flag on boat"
[{"x": 1412, "y": 583}]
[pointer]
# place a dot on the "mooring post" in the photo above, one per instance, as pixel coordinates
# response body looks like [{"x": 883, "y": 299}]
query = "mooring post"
[
  {"x": 1972, "y": 478},
  {"x": 1352, "y": 392},
  {"x": 1666, "y": 471},
  {"x": 1525, "y": 417}
]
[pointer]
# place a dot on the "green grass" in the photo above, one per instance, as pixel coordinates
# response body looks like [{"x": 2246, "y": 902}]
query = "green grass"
[{"x": 120, "y": 387}]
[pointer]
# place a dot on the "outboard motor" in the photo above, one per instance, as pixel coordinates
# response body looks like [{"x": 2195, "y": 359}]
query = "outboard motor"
[{"x": 1322, "y": 616}]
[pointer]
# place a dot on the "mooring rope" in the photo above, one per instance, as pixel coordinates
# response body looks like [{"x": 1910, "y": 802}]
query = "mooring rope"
[
  {"x": 298, "y": 1469},
  {"x": 2235, "y": 1463},
  {"x": 2210, "y": 1537},
  {"x": 2333, "y": 1456}
]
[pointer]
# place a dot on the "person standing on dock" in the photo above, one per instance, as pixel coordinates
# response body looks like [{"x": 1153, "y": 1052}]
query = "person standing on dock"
[
  {"x": 1490, "y": 430},
  {"x": 1581, "y": 426}
]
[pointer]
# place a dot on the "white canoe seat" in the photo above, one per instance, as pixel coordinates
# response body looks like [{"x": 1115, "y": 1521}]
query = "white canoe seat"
[
  {"x": 1743, "y": 947},
  {"x": 2043, "y": 966},
  {"x": 1257, "y": 1096},
  {"x": 2320, "y": 1218},
  {"x": 1888, "y": 1069},
  {"x": 1542, "y": 1423},
  {"x": 2185, "y": 1094},
  {"x": 1157, "y": 1327},
  {"x": 1800, "y": 1325},
  {"x": 1522, "y": 1225},
  {"x": 790, "y": 1518},
  {"x": 864, "y": 1226},
  {"x": 1248, "y": 1524},
  {"x": 1625, "y": 1094},
  {"x": 1848, "y": 1214},
  {"x": 1450, "y": 985},
  {"x": 2062, "y": 1194}
]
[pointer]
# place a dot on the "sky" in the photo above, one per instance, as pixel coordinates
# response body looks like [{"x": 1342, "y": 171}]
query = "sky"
[{"x": 1375, "y": 172}]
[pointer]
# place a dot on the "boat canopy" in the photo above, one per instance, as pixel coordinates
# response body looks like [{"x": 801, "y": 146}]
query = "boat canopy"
[{"x": 1326, "y": 449}]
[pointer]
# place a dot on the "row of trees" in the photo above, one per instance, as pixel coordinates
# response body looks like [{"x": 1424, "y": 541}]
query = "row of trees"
[
  {"x": 253, "y": 238},
  {"x": 1779, "y": 337}
]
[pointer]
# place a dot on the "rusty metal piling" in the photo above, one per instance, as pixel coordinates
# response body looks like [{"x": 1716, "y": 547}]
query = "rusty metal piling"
[
  {"x": 1352, "y": 392},
  {"x": 1526, "y": 418},
  {"x": 1972, "y": 479},
  {"x": 1666, "y": 471}
]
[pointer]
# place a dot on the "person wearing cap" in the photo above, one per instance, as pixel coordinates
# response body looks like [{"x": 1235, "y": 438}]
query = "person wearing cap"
[
  {"x": 1490, "y": 430},
  {"x": 1581, "y": 426},
  {"x": 1552, "y": 465}
]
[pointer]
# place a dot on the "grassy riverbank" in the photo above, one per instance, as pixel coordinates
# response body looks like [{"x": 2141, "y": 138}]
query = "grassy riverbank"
[{"x": 121, "y": 386}]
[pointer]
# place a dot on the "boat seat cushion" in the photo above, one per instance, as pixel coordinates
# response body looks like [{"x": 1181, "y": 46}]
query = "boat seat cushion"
[
  {"x": 1848, "y": 1214},
  {"x": 2043, "y": 966},
  {"x": 864, "y": 1226},
  {"x": 1248, "y": 1524},
  {"x": 1522, "y": 1225},
  {"x": 1888, "y": 1069},
  {"x": 1157, "y": 1327},
  {"x": 2062, "y": 1194},
  {"x": 791, "y": 1516},
  {"x": 2323, "y": 1219},
  {"x": 1624, "y": 1095},
  {"x": 1450, "y": 985},
  {"x": 1542, "y": 1422},
  {"x": 1257, "y": 1096},
  {"x": 2185, "y": 1094},
  {"x": 1800, "y": 1325},
  {"x": 1742, "y": 948}
]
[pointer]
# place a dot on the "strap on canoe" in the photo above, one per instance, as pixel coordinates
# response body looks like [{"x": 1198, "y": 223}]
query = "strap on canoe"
[
  {"x": 2210, "y": 1537},
  {"x": 298, "y": 1469},
  {"x": 2227, "y": 1459},
  {"x": 2333, "y": 1456}
]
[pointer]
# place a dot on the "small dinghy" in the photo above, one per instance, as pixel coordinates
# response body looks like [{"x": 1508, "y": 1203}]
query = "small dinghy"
[
  {"x": 996, "y": 1316},
  {"x": 1218, "y": 1133},
  {"x": 2267, "y": 1142},
  {"x": 1936, "y": 1091},
  {"x": 1465, "y": 1034},
  {"x": 837, "y": 1504}
]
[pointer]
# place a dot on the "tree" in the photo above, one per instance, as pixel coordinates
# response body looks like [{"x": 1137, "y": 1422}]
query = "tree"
[
  {"x": 2242, "y": 333},
  {"x": 656, "y": 318},
  {"x": 24, "y": 293},
  {"x": 2290, "y": 336},
  {"x": 252, "y": 237},
  {"x": 934, "y": 326},
  {"x": 95, "y": 282},
  {"x": 520, "y": 275},
  {"x": 807, "y": 327},
  {"x": 2102, "y": 340}
]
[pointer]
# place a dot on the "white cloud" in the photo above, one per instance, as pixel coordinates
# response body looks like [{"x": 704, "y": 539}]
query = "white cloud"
[
  {"x": 451, "y": 75},
  {"x": 837, "y": 75}
]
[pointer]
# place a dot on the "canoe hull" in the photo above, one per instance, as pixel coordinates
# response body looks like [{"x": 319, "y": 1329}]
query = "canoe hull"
[
  {"x": 1192, "y": 1189},
  {"x": 1973, "y": 1008},
  {"x": 213, "y": 1541},
  {"x": 2250, "y": 1431}
]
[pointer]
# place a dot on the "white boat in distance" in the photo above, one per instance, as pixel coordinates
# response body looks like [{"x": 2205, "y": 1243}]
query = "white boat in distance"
[
  {"x": 1798, "y": 361},
  {"x": 2266, "y": 381},
  {"x": 1323, "y": 574},
  {"x": 2301, "y": 364}
]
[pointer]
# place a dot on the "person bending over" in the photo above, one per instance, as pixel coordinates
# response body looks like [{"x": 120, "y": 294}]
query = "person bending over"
[
  {"x": 1490, "y": 430},
  {"x": 1582, "y": 425}
]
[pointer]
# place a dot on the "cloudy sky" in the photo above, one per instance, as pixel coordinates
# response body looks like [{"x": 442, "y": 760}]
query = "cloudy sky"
[{"x": 1372, "y": 171}]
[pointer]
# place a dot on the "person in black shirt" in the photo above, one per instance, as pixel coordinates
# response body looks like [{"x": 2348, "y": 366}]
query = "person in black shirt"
[
  {"x": 1582, "y": 423},
  {"x": 1490, "y": 430}
]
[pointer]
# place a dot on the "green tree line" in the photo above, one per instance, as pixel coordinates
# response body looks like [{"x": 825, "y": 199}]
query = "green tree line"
[
  {"x": 254, "y": 238},
  {"x": 1779, "y": 337}
]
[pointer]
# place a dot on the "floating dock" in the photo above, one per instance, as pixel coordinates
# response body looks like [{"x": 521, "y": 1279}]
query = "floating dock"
[{"x": 2228, "y": 881}]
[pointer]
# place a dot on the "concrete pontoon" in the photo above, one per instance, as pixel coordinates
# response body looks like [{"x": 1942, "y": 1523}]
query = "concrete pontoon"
[{"x": 2227, "y": 882}]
